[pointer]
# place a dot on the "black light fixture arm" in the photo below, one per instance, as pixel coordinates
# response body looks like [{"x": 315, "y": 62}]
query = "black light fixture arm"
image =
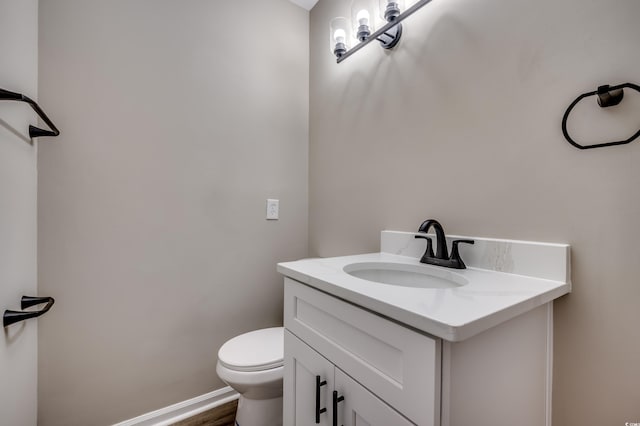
[{"x": 34, "y": 132}]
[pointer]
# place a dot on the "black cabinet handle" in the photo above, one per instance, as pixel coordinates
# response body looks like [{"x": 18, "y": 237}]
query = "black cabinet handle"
[
  {"x": 11, "y": 317},
  {"x": 336, "y": 399},
  {"x": 318, "y": 409}
]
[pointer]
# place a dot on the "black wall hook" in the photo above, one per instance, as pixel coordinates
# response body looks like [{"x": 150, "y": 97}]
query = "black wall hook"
[
  {"x": 607, "y": 96},
  {"x": 34, "y": 132},
  {"x": 12, "y": 317}
]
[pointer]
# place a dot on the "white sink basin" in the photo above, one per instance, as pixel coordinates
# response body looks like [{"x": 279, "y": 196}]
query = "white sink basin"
[
  {"x": 503, "y": 279},
  {"x": 404, "y": 275}
]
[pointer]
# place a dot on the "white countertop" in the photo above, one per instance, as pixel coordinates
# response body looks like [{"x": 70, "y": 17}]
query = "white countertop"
[{"x": 454, "y": 314}]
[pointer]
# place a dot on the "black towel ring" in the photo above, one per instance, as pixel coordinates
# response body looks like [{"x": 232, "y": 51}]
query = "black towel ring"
[{"x": 607, "y": 96}]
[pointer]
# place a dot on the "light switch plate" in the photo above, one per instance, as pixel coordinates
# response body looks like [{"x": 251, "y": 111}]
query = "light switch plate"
[{"x": 273, "y": 209}]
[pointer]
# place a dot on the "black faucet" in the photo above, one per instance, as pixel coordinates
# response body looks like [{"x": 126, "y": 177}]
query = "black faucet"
[{"x": 441, "y": 257}]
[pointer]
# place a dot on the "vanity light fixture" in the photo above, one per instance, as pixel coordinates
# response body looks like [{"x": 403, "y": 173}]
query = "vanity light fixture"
[{"x": 362, "y": 23}]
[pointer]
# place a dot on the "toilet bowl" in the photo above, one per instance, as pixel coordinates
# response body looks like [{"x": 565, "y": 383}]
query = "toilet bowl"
[{"x": 252, "y": 364}]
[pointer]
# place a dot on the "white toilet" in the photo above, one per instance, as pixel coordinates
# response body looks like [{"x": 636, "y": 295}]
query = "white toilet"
[{"x": 252, "y": 364}]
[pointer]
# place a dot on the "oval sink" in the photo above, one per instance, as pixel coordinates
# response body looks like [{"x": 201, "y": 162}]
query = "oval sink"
[{"x": 405, "y": 275}]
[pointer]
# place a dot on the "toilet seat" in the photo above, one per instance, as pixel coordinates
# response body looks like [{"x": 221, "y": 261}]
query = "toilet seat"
[{"x": 257, "y": 350}]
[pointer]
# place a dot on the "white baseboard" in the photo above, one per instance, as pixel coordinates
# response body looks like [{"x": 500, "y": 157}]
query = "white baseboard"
[{"x": 183, "y": 410}]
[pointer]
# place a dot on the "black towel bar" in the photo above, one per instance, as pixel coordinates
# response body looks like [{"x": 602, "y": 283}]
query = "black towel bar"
[
  {"x": 34, "y": 132},
  {"x": 11, "y": 317}
]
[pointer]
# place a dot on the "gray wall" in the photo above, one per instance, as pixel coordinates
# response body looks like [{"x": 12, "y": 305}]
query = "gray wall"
[
  {"x": 179, "y": 119},
  {"x": 18, "y": 203},
  {"x": 462, "y": 123}
]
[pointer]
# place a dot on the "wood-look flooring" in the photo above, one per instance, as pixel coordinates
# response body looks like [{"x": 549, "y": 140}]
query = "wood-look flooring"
[{"x": 223, "y": 415}]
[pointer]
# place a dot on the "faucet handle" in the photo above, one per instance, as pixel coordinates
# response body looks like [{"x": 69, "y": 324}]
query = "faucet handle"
[
  {"x": 429, "y": 251},
  {"x": 455, "y": 255}
]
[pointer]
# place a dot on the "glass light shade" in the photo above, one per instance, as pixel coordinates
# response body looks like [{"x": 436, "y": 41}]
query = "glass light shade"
[
  {"x": 389, "y": 9},
  {"x": 339, "y": 36},
  {"x": 362, "y": 18}
]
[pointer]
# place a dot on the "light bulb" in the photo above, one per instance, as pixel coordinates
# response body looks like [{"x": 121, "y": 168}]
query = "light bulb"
[
  {"x": 340, "y": 36},
  {"x": 363, "y": 17},
  {"x": 390, "y": 9}
]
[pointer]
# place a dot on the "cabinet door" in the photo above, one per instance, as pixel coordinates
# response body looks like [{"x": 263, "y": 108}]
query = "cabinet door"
[
  {"x": 302, "y": 367},
  {"x": 399, "y": 365},
  {"x": 361, "y": 408}
]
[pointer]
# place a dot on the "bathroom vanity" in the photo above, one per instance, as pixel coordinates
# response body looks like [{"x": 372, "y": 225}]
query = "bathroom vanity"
[{"x": 381, "y": 339}]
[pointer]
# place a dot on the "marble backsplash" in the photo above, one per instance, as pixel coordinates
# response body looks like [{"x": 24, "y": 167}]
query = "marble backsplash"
[{"x": 543, "y": 260}]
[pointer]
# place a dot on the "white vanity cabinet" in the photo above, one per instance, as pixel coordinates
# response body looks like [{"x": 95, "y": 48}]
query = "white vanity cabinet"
[
  {"x": 391, "y": 375},
  {"x": 386, "y": 373},
  {"x": 470, "y": 347}
]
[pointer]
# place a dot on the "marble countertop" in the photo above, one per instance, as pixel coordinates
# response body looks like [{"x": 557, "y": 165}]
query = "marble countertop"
[{"x": 507, "y": 285}]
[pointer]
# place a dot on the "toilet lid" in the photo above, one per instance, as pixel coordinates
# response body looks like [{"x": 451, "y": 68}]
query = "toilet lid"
[{"x": 254, "y": 351}]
